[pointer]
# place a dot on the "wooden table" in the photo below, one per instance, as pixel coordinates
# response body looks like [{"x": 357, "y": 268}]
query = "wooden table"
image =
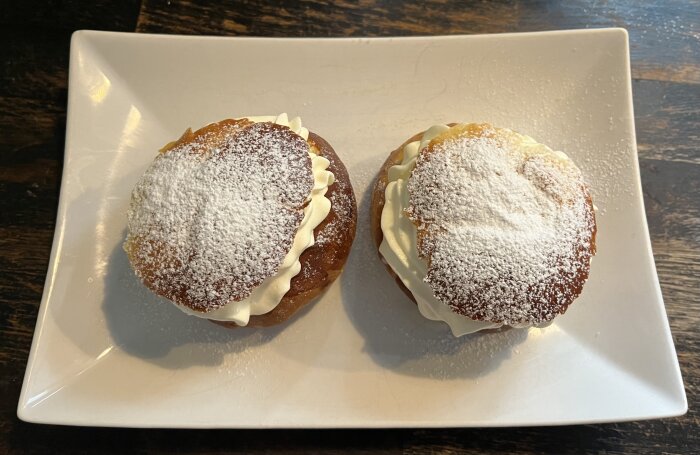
[{"x": 665, "y": 44}]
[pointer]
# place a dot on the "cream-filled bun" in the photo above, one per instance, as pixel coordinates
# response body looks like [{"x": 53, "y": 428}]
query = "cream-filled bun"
[
  {"x": 483, "y": 227},
  {"x": 243, "y": 221}
]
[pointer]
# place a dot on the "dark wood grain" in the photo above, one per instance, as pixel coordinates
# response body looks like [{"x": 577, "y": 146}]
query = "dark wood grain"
[{"x": 665, "y": 45}]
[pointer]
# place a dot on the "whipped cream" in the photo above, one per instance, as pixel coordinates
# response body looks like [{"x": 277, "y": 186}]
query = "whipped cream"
[
  {"x": 270, "y": 292},
  {"x": 399, "y": 244}
]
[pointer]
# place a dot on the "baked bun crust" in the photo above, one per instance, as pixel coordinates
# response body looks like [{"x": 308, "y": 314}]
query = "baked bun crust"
[
  {"x": 156, "y": 261},
  {"x": 542, "y": 302}
]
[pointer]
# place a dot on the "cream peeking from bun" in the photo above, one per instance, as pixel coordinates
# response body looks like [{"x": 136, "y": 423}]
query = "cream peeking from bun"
[
  {"x": 243, "y": 221},
  {"x": 484, "y": 227}
]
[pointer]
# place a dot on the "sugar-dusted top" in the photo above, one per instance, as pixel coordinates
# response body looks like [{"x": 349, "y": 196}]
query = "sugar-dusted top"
[
  {"x": 505, "y": 224},
  {"x": 217, "y": 211}
]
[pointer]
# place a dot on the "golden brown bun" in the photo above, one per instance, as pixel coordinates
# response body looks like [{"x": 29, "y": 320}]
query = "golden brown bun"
[
  {"x": 573, "y": 286},
  {"x": 322, "y": 263}
]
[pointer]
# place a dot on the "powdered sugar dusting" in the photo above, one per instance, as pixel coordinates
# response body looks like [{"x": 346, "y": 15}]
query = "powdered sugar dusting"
[
  {"x": 215, "y": 216},
  {"x": 505, "y": 225},
  {"x": 343, "y": 212},
  {"x": 343, "y": 206}
]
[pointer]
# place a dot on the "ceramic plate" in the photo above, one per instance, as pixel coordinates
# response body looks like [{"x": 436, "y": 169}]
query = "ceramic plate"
[{"x": 107, "y": 352}]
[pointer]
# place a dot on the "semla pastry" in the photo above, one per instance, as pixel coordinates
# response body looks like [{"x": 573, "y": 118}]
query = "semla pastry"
[
  {"x": 484, "y": 227},
  {"x": 243, "y": 221}
]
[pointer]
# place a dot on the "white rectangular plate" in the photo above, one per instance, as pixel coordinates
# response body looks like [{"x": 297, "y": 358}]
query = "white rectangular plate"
[{"x": 107, "y": 352}]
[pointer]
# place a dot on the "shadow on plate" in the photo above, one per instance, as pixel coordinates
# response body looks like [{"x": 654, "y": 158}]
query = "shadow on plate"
[
  {"x": 397, "y": 337},
  {"x": 147, "y": 326}
]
